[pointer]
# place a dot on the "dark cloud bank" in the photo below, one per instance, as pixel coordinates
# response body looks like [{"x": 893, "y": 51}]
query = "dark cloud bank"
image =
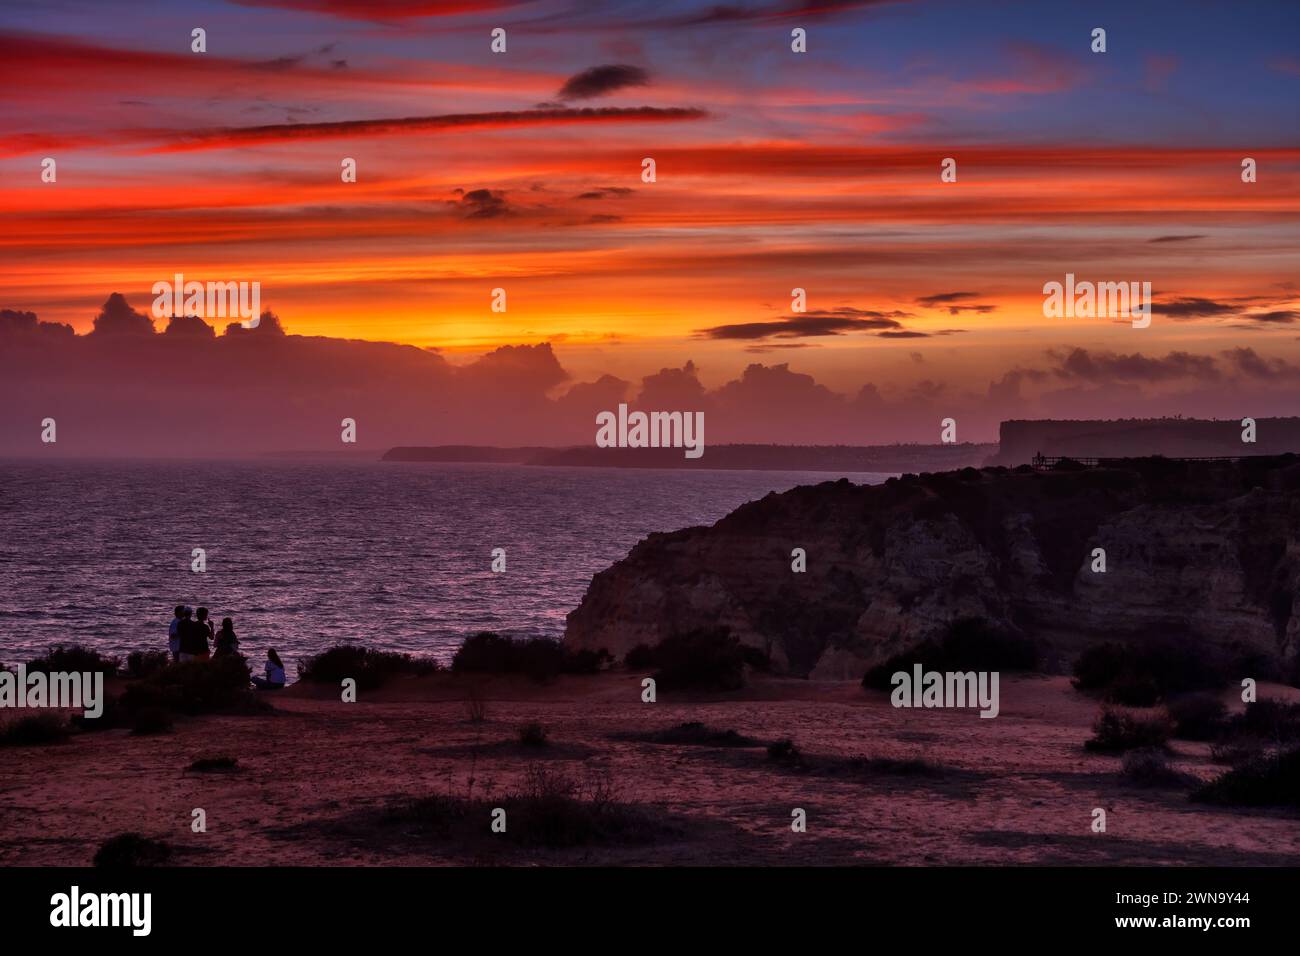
[{"x": 127, "y": 389}]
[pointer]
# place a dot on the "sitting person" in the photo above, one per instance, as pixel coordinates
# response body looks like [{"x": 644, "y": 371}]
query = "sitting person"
[
  {"x": 227, "y": 642},
  {"x": 274, "y": 679}
]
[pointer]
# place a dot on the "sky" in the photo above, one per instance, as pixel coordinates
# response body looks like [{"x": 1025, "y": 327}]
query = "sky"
[{"x": 775, "y": 170}]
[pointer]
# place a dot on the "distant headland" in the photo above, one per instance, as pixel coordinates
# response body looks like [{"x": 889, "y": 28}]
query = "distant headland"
[
  {"x": 1019, "y": 443},
  {"x": 829, "y": 458}
]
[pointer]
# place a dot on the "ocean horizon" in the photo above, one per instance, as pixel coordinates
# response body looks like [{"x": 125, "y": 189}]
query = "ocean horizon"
[{"x": 306, "y": 554}]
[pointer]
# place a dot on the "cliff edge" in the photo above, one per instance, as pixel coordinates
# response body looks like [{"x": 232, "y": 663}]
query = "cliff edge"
[{"x": 1202, "y": 551}]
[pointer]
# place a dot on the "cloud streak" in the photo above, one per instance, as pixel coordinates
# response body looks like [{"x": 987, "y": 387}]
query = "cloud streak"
[
  {"x": 230, "y": 137},
  {"x": 807, "y": 324},
  {"x": 603, "y": 80}
]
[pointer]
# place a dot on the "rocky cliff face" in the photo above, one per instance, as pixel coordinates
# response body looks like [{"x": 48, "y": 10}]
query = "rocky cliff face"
[{"x": 1207, "y": 551}]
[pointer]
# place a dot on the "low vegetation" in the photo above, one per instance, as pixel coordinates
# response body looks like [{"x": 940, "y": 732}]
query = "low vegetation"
[
  {"x": 695, "y": 734},
  {"x": 1150, "y": 767},
  {"x": 540, "y": 658},
  {"x": 786, "y": 755},
  {"x": 369, "y": 668},
  {"x": 550, "y": 809},
  {"x": 969, "y": 644},
  {"x": 707, "y": 659},
  {"x": 784, "y": 752},
  {"x": 74, "y": 657},
  {"x": 1237, "y": 752},
  {"x": 476, "y": 709},
  {"x": 1269, "y": 721},
  {"x": 144, "y": 663},
  {"x": 893, "y": 766},
  {"x": 1269, "y": 779},
  {"x": 1197, "y": 716},
  {"x": 533, "y": 735},
  {"x": 1117, "y": 730},
  {"x": 131, "y": 850},
  {"x": 1142, "y": 675},
  {"x": 219, "y": 685},
  {"x": 34, "y": 730}
]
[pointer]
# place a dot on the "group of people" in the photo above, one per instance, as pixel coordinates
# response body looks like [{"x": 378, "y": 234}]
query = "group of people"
[{"x": 189, "y": 636}]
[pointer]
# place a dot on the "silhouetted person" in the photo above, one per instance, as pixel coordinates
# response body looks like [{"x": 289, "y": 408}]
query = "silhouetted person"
[
  {"x": 194, "y": 639},
  {"x": 226, "y": 642},
  {"x": 174, "y": 633},
  {"x": 202, "y": 616},
  {"x": 274, "y": 679}
]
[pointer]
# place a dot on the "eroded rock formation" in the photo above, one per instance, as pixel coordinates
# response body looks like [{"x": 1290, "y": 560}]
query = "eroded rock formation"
[{"x": 1201, "y": 551}]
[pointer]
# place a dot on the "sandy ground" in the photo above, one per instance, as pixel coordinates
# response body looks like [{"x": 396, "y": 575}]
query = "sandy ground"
[{"x": 313, "y": 780}]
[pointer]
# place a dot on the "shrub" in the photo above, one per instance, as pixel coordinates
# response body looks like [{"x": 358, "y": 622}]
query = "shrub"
[
  {"x": 214, "y": 764},
  {"x": 111, "y": 717},
  {"x": 1197, "y": 716},
  {"x": 439, "y": 815},
  {"x": 1237, "y": 752},
  {"x": 973, "y": 643},
  {"x": 1141, "y": 675},
  {"x": 540, "y": 658},
  {"x": 129, "y": 850},
  {"x": 969, "y": 644},
  {"x": 152, "y": 719},
  {"x": 549, "y": 809},
  {"x": 1118, "y": 730},
  {"x": 703, "y": 659},
  {"x": 476, "y": 705},
  {"x": 486, "y": 653},
  {"x": 586, "y": 661},
  {"x": 74, "y": 657},
  {"x": 696, "y": 734},
  {"x": 896, "y": 766},
  {"x": 784, "y": 751},
  {"x": 1270, "y": 779},
  {"x": 194, "y": 687},
  {"x": 1098, "y": 666},
  {"x": 554, "y": 810},
  {"x": 533, "y": 735},
  {"x": 639, "y": 658},
  {"x": 1150, "y": 767},
  {"x": 369, "y": 668},
  {"x": 143, "y": 663},
  {"x": 1269, "y": 720},
  {"x": 34, "y": 730}
]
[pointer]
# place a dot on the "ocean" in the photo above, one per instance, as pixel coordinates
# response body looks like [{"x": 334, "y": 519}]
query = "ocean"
[{"x": 303, "y": 555}]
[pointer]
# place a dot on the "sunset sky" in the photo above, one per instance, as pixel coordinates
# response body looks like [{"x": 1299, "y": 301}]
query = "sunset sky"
[{"x": 775, "y": 170}]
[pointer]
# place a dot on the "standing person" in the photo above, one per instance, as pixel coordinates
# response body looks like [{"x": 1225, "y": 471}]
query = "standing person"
[
  {"x": 194, "y": 639},
  {"x": 202, "y": 615},
  {"x": 226, "y": 642},
  {"x": 274, "y": 679},
  {"x": 174, "y": 633}
]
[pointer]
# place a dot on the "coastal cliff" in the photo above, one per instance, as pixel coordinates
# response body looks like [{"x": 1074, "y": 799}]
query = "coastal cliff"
[
  {"x": 1020, "y": 441},
  {"x": 1205, "y": 552}
]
